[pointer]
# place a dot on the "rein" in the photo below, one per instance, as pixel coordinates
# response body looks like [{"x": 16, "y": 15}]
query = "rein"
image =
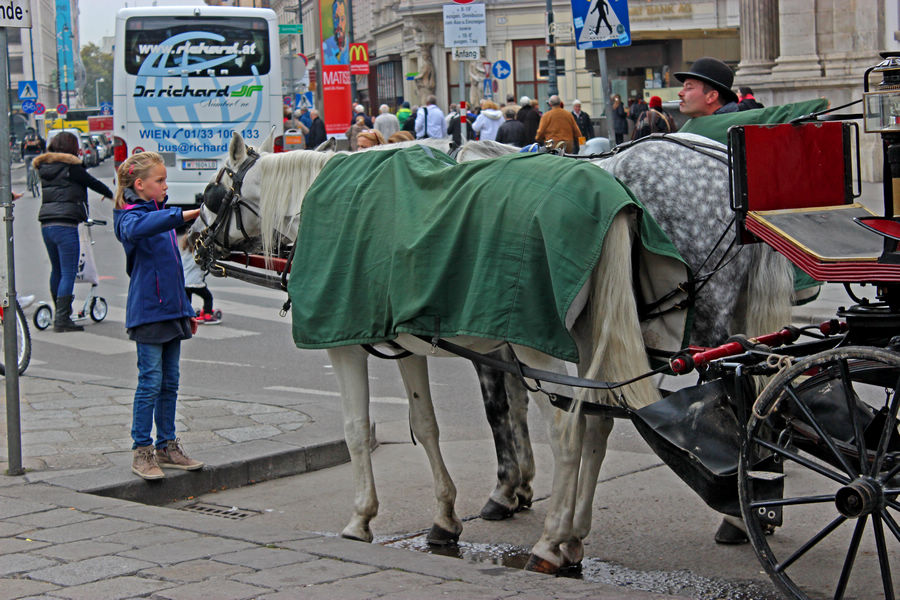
[
  {"x": 703, "y": 148},
  {"x": 234, "y": 202}
]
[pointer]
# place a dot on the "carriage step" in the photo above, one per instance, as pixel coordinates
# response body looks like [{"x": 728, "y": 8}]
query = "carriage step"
[{"x": 765, "y": 475}]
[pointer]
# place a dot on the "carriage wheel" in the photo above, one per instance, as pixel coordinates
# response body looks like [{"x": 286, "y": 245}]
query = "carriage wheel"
[{"x": 826, "y": 428}]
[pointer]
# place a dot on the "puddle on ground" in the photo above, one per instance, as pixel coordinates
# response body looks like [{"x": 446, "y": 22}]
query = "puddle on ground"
[{"x": 598, "y": 571}]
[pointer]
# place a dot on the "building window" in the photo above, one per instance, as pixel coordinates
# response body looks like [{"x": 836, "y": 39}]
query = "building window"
[
  {"x": 14, "y": 35},
  {"x": 528, "y": 80},
  {"x": 390, "y": 83},
  {"x": 16, "y": 67}
]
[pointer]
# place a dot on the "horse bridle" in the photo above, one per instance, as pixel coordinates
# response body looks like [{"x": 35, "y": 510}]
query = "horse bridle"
[{"x": 233, "y": 202}]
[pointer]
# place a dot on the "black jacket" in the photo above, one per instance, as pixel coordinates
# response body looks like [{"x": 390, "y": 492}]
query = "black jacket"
[
  {"x": 749, "y": 104},
  {"x": 584, "y": 124},
  {"x": 512, "y": 132},
  {"x": 316, "y": 134},
  {"x": 454, "y": 130},
  {"x": 64, "y": 183},
  {"x": 529, "y": 117}
]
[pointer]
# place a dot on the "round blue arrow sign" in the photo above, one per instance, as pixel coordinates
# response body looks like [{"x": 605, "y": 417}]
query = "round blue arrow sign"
[{"x": 501, "y": 69}]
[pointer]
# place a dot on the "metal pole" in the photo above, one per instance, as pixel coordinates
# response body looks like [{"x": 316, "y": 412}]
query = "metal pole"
[
  {"x": 348, "y": 35},
  {"x": 300, "y": 20},
  {"x": 606, "y": 84},
  {"x": 67, "y": 50},
  {"x": 10, "y": 337},
  {"x": 462, "y": 101},
  {"x": 551, "y": 51},
  {"x": 291, "y": 71}
]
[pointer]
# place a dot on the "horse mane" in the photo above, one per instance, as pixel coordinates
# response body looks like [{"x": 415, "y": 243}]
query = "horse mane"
[{"x": 284, "y": 180}]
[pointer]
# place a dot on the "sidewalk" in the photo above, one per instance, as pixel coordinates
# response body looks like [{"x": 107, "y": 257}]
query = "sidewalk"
[{"x": 69, "y": 527}]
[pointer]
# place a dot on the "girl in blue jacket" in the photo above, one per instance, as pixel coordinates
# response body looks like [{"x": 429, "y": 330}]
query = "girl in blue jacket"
[{"x": 158, "y": 314}]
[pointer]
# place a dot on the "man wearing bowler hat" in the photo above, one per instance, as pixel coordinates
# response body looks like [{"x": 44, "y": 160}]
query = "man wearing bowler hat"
[{"x": 707, "y": 89}]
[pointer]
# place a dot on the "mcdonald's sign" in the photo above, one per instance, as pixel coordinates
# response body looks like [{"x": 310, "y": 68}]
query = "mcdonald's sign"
[{"x": 359, "y": 59}]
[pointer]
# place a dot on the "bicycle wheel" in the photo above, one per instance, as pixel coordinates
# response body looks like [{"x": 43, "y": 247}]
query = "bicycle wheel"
[
  {"x": 23, "y": 342},
  {"x": 33, "y": 183},
  {"x": 830, "y": 421},
  {"x": 99, "y": 309}
]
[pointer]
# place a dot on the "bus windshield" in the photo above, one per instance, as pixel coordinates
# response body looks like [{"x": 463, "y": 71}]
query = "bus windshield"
[{"x": 196, "y": 47}]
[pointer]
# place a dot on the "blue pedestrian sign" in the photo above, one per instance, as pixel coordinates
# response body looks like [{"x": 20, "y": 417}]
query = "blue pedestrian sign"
[
  {"x": 501, "y": 69},
  {"x": 601, "y": 23},
  {"x": 28, "y": 106},
  {"x": 28, "y": 90},
  {"x": 106, "y": 108}
]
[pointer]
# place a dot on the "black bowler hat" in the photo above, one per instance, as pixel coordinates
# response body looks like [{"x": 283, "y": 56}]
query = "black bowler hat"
[{"x": 714, "y": 72}]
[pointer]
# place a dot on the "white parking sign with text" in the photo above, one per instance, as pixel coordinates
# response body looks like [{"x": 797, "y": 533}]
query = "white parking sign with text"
[
  {"x": 15, "y": 13},
  {"x": 464, "y": 25}
]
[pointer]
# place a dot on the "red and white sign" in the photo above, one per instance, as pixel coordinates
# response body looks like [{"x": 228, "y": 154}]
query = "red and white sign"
[
  {"x": 336, "y": 99},
  {"x": 359, "y": 59},
  {"x": 61, "y": 109},
  {"x": 39, "y": 109},
  {"x": 104, "y": 123}
]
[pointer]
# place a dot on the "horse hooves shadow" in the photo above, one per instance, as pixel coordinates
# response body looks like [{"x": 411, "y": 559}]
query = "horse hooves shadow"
[
  {"x": 438, "y": 536},
  {"x": 494, "y": 511}
]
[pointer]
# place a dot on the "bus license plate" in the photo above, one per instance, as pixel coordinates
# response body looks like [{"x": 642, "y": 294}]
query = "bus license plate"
[{"x": 198, "y": 164}]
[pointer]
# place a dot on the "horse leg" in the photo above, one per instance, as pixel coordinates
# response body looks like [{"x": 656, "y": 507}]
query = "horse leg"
[
  {"x": 503, "y": 501},
  {"x": 350, "y": 366},
  {"x": 447, "y": 526},
  {"x": 518, "y": 418},
  {"x": 596, "y": 435},
  {"x": 558, "y": 548}
]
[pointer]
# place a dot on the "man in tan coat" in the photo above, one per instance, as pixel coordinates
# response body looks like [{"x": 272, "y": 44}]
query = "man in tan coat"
[{"x": 558, "y": 125}]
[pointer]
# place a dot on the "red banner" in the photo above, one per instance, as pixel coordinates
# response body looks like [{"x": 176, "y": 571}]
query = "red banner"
[
  {"x": 359, "y": 59},
  {"x": 335, "y": 66},
  {"x": 336, "y": 99}
]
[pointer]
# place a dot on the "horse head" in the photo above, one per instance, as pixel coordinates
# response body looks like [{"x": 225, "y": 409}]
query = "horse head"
[{"x": 229, "y": 211}]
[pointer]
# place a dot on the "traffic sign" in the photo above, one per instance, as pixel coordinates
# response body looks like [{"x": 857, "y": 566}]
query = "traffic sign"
[
  {"x": 61, "y": 109},
  {"x": 464, "y": 25},
  {"x": 501, "y": 69},
  {"x": 460, "y": 53},
  {"x": 106, "y": 108},
  {"x": 290, "y": 28},
  {"x": 39, "y": 108},
  {"x": 28, "y": 106},
  {"x": 15, "y": 13},
  {"x": 28, "y": 90},
  {"x": 601, "y": 24}
]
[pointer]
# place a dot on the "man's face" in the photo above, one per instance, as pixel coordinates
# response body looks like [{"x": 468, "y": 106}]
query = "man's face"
[
  {"x": 694, "y": 101},
  {"x": 340, "y": 23}
]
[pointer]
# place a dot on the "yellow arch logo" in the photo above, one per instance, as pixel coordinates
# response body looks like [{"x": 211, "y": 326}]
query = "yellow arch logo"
[{"x": 359, "y": 52}]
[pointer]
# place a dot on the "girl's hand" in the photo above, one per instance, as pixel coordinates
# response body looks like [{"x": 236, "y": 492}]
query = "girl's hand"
[
  {"x": 194, "y": 325},
  {"x": 16, "y": 196},
  {"x": 190, "y": 215}
]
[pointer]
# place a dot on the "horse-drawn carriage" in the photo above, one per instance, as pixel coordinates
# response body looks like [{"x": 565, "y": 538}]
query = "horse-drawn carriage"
[{"x": 810, "y": 464}]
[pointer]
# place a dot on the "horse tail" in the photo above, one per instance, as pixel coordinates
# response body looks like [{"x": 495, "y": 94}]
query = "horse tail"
[
  {"x": 770, "y": 287},
  {"x": 617, "y": 346}
]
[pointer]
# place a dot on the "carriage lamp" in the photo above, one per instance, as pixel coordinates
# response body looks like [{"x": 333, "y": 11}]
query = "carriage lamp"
[{"x": 882, "y": 106}]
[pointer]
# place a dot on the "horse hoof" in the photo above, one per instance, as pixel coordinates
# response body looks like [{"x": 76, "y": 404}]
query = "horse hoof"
[
  {"x": 494, "y": 511},
  {"x": 355, "y": 538},
  {"x": 540, "y": 565},
  {"x": 524, "y": 504},
  {"x": 438, "y": 536}
]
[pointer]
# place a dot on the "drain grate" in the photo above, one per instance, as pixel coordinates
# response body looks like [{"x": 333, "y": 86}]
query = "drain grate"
[{"x": 226, "y": 512}]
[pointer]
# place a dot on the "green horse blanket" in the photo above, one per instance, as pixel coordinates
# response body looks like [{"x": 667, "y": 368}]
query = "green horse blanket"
[{"x": 410, "y": 241}]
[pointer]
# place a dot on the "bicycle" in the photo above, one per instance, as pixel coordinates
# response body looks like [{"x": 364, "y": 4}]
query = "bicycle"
[
  {"x": 23, "y": 338},
  {"x": 33, "y": 181}
]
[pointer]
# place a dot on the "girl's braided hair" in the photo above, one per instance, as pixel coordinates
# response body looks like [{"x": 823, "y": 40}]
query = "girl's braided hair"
[{"x": 136, "y": 166}]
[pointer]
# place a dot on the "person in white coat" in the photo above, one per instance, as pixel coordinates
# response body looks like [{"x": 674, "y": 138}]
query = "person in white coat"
[{"x": 489, "y": 121}]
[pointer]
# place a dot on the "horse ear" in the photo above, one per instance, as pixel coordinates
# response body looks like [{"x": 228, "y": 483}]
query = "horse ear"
[
  {"x": 268, "y": 144},
  {"x": 237, "y": 151}
]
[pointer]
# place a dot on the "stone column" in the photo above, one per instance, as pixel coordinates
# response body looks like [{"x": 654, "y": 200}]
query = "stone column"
[
  {"x": 798, "y": 57},
  {"x": 759, "y": 37}
]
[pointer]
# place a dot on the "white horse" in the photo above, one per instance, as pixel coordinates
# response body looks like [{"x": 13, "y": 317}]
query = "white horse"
[{"x": 603, "y": 322}]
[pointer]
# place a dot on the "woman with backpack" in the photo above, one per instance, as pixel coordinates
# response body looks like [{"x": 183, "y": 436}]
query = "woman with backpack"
[{"x": 653, "y": 120}]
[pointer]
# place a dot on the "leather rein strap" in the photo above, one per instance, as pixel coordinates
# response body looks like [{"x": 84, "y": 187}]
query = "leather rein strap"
[{"x": 233, "y": 203}]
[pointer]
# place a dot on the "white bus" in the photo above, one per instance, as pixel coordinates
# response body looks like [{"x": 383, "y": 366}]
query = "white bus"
[{"x": 185, "y": 78}]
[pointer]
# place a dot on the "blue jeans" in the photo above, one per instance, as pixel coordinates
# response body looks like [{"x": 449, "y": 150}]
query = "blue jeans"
[
  {"x": 157, "y": 389},
  {"x": 63, "y": 250}
]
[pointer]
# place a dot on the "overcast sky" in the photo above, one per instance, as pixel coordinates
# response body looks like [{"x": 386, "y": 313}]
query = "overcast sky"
[{"x": 98, "y": 17}]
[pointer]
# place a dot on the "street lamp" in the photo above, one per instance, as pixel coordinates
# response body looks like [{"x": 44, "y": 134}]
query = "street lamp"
[
  {"x": 62, "y": 35},
  {"x": 97, "y": 83}
]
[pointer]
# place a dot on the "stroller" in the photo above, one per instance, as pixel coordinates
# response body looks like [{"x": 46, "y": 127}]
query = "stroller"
[{"x": 95, "y": 306}]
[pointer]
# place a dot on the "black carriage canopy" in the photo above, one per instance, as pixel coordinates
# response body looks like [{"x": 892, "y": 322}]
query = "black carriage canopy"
[{"x": 410, "y": 241}]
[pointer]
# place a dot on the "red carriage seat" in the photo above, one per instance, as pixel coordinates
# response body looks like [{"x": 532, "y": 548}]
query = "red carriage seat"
[{"x": 792, "y": 189}]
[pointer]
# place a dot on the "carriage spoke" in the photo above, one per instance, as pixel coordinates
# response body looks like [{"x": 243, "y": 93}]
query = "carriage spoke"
[
  {"x": 851, "y": 557},
  {"x": 887, "y": 432},
  {"x": 793, "y": 501},
  {"x": 891, "y": 523},
  {"x": 883, "y": 560},
  {"x": 811, "y": 419},
  {"x": 780, "y": 567},
  {"x": 850, "y": 396},
  {"x": 890, "y": 474},
  {"x": 833, "y": 475}
]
